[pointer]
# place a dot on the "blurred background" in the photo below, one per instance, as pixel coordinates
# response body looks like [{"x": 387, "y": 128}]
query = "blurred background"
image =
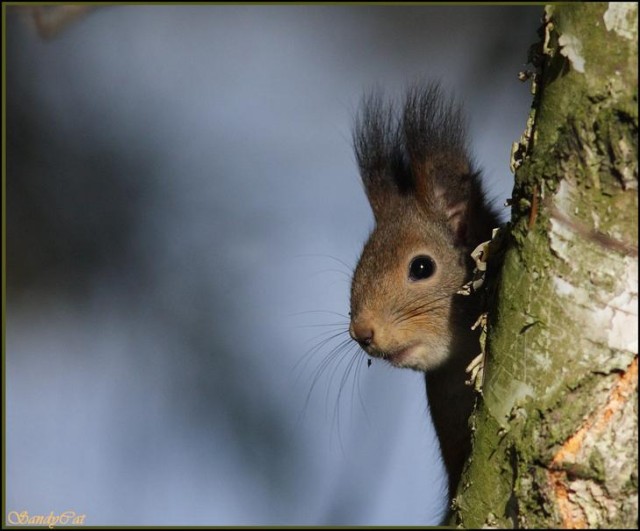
[{"x": 183, "y": 213}]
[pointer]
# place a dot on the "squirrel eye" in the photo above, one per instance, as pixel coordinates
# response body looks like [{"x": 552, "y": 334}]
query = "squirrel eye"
[{"x": 421, "y": 267}]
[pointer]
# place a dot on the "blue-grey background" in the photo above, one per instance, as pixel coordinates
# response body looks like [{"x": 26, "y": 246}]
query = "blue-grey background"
[{"x": 181, "y": 193}]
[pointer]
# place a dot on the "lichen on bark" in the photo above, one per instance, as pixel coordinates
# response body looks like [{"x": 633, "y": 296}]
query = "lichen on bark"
[{"x": 555, "y": 434}]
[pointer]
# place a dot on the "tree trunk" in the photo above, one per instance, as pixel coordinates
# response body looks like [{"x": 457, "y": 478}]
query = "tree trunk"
[{"x": 556, "y": 430}]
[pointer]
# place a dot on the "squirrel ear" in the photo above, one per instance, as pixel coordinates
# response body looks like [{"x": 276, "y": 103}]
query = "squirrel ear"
[
  {"x": 457, "y": 218},
  {"x": 434, "y": 136},
  {"x": 421, "y": 152},
  {"x": 458, "y": 198},
  {"x": 445, "y": 187}
]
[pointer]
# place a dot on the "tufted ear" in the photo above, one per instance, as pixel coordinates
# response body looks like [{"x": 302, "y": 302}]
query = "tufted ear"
[
  {"x": 444, "y": 182},
  {"x": 456, "y": 196},
  {"x": 419, "y": 151},
  {"x": 459, "y": 200},
  {"x": 380, "y": 153}
]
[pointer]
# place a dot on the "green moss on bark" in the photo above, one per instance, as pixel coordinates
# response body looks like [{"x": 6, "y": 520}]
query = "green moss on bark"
[{"x": 559, "y": 332}]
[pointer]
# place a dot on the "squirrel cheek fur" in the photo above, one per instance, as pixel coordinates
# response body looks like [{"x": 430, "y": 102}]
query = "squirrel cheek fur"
[
  {"x": 409, "y": 322},
  {"x": 430, "y": 213}
]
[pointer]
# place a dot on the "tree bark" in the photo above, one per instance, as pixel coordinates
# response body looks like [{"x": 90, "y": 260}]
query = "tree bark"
[{"x": 556, "y": 430}]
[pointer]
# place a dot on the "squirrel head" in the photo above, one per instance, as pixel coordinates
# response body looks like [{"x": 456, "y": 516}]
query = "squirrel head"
[{"x": 427, "y": 202}]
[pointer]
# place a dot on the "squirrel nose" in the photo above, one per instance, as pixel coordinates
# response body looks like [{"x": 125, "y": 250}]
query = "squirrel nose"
[{"x": 362, "y": 333}]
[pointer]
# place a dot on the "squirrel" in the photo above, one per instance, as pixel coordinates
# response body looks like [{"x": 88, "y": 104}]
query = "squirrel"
[{"x": 430, "y": 212}]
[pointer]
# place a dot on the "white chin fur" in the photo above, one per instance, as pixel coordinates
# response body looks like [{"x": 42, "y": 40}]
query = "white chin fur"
[{"x": 422, "y": 357}]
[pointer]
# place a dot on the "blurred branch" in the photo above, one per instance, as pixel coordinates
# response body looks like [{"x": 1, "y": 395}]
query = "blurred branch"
[{"x": 49, "y": 21}]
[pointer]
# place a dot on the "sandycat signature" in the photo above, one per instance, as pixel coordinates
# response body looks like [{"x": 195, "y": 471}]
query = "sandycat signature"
[{"x": 51, "y": 520}]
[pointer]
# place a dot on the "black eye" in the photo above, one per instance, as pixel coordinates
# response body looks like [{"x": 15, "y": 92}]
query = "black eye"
[{"x": 421, "y": 267}]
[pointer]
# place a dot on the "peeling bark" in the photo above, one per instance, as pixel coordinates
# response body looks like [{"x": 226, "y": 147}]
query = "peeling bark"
[{"x": 556, "y": 429}]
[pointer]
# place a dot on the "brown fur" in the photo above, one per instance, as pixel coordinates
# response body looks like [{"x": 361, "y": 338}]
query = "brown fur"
[{"x": 427, "y": 200}]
